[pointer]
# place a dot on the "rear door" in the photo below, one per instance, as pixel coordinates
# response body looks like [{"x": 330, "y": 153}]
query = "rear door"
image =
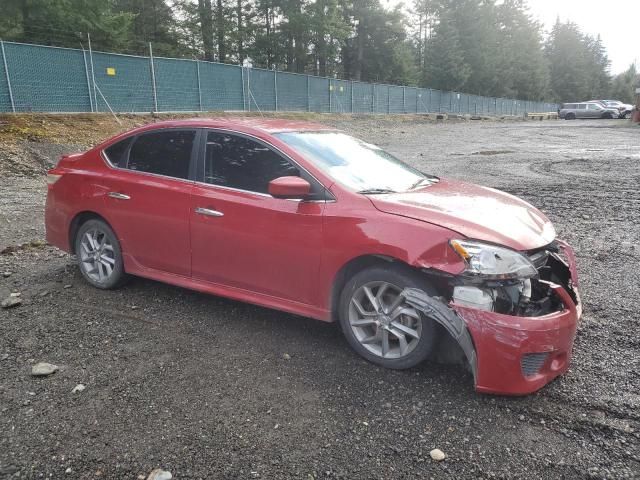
[{"x": 149, "y": 197}]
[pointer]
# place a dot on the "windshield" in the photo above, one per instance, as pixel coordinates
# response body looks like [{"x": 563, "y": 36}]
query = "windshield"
[{"x": 355, "y": 164}]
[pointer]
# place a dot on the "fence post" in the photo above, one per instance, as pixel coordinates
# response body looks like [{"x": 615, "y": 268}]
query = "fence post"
[
  {"x": 330, "y": 87},
  {"x": 388, "y": 99},
  {"x": 199, "y": 90},
  {"x": 93, "y": 74},
  {"x": 6, "y": 71},
  {"x": 351, "y": 87},
  {"x": 153, "y": 80},
  {"x": 404, "y": 103},
  {"x": 86, "y": 72},
  {"x": 244, "y": 95},
  {"x": 275, "y": 87},
  {"x": 373, "y": 99},
  {"x": 308, "y": 94}
]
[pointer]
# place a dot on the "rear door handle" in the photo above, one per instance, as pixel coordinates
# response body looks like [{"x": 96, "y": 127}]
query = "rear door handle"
[
  {"x": 209, "y": 212},
  {"x": 119, "y": 196}
]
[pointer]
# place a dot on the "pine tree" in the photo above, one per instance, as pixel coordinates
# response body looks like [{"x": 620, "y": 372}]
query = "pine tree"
[{"x": 445, "y": 65}]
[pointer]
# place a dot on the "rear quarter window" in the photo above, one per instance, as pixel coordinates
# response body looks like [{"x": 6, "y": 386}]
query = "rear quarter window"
[{"x": 116, "y": 153}]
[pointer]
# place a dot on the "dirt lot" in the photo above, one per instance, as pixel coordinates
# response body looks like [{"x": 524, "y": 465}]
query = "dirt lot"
[{"x": 201, "y": 386}]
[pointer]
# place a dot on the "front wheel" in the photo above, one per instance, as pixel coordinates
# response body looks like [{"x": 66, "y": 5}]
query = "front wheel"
[
  {"x": 379, "y": 324},
  {"x": 607, "y": 116},
  {"x": 570, "y": 116},
  {"x": 99, "y": 255}
]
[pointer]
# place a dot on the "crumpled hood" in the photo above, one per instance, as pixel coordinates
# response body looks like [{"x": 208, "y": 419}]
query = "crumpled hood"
[{"x": 476, "y": 212}]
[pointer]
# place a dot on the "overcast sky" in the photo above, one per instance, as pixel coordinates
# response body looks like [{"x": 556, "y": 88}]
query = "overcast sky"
[{"x": 614, "y": 20}]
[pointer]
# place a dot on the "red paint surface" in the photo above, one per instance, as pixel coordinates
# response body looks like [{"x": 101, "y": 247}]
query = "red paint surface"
[{"x": 287, "y": 254}]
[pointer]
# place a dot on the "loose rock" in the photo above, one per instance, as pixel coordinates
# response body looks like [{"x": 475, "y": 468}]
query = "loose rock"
[
  {"x": 6, "y": 274},
  {"x": 43, "y": 369},
  {"x": 11, "y": 302},
  {"x": 78, "y": 388},
  {"x": 286, "y": 356},
  {"x": 159, "y": 474},
  {"x": 437, "y": 455}
]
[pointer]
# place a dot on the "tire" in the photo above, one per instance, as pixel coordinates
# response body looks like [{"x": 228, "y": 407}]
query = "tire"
[
  {"x": 570, "y": 116},
  {"x": 624, "y": 115},
  {"x": 607, "y": 116},
  {"x": 365, "y": 326},
  {"x": 99, "y": 255}
]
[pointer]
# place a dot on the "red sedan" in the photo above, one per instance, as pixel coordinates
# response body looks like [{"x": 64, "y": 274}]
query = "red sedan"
[{"x": 303, "y": 218}]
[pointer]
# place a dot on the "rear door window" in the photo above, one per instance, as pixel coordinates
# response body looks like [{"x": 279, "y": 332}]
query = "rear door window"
[{"x": 167, "y": 153}]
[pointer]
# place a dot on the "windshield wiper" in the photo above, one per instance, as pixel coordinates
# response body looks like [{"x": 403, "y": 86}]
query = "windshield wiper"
[
  {"x": 422, "y": 181},
  {"x": 373, "y": 191}
]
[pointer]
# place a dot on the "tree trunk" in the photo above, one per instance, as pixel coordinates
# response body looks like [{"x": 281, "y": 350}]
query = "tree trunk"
[
  {"x": 321, "y": 48},
  {"x": 240, "y": 33},
  {"x": 290, "y": 53},
  {"x": 222, "y": 47},
  {"x": 267, "y": 18},
  {"x": 357, "y": 68},
  {"x": 206, "y": 26},
  {"x": 300, "y": 53}
]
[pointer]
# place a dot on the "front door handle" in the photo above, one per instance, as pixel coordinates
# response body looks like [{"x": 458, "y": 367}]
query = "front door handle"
[
  {"x": 119, "y": 196},
  {"x": 208, "y": 212}
]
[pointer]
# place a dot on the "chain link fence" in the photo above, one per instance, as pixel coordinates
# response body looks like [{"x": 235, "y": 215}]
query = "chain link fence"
[{"x": 36, "y": 78}]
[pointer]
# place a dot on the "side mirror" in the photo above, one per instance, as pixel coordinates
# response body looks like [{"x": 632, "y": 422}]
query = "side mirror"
[{"x": 289, "y": 187}]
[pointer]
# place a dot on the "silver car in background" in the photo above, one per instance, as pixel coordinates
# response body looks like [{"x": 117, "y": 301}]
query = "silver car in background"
[
  {"x": 624, "y": 108},
  {"x": 571, "y": 111}
]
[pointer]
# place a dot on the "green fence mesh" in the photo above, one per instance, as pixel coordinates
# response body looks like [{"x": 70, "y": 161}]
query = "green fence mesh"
[{"x": 51, "y": 79}]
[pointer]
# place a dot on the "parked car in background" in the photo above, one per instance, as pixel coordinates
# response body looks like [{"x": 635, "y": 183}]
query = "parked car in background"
[
  {"x": 303, "y": 218},
  {"x": 624, "y": 109},
  {"x": 571, "y": 111}
]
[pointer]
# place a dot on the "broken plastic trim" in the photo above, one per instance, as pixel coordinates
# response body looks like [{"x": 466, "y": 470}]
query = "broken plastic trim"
[{"x": 441, "y": 313}]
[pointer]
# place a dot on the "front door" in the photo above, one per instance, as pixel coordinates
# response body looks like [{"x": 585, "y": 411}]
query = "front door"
[{"x": 243, "y": 237}]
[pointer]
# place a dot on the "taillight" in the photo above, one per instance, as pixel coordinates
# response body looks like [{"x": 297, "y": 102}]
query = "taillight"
[{"x": 53, "y": 178}]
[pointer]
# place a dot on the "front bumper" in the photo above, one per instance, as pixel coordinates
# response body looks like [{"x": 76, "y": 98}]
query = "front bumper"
[{"x": 518, "y": 355}]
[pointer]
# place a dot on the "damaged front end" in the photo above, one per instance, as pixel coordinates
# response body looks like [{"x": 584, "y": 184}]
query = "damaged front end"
[{"x": 519, "y": 312}]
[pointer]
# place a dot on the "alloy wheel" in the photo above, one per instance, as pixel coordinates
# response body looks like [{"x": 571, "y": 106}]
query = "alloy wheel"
[
  {"x": 97, "y": 256},
  {"x": 383, "y": 322}
]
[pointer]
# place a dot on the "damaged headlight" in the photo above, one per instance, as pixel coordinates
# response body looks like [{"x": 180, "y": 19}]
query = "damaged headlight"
[{"x": 493, "y": 262}]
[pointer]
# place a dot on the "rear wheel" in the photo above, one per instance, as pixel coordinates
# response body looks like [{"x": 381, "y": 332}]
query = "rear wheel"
[
  {"x": 99, "y": 255},
  {"x": 379, "y": 324},
  {"x": 570, "y": 116}
]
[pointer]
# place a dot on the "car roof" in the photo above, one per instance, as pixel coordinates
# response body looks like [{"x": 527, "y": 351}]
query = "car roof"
[
  {"x": 268, "y": 125},
  {"x": 247, "y": 125}
]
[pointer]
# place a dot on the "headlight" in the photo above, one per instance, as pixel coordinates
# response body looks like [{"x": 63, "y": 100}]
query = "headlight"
[{"x": 493, "y": 262}]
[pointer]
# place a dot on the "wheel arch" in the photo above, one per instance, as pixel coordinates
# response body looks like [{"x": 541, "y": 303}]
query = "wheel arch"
[
  {"x": 354, "y": 266},
  {"x": 78, "y": 220}
]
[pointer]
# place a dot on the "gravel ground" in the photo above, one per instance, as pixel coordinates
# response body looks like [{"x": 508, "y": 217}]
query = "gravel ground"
[{"x": 210, "y": 388}]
